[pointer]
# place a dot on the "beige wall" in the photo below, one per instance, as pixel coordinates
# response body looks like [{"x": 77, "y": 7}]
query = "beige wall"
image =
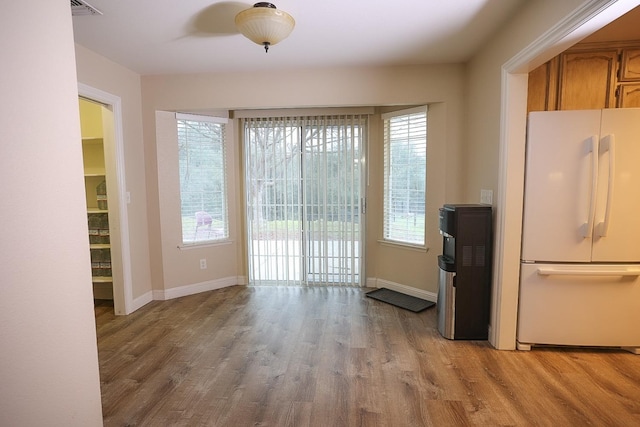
[
  {"x": 48, "y": 361},
  {"x": 440, "y": 85},
  {"x": 181, "y": 264},
  {"x": 402, "y": 265},
  {"x": 99, "y": 73},
  {"x": 484, "y": 81}
]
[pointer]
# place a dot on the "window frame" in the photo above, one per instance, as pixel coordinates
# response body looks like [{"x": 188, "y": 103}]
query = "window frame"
[
  {"x": 386, "y": 122},
  {"x": 215, "y": 239}
]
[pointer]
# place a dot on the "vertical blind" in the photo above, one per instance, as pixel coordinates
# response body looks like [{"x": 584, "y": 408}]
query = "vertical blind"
[
  {"x": 303, "y": 181},
  {"x": 203, "y": 179},
  {"x": 405, "y": 171}
]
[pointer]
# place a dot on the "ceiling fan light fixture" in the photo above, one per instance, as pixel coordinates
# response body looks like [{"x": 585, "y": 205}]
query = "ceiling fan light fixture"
[{"x": 264, "y": 24}]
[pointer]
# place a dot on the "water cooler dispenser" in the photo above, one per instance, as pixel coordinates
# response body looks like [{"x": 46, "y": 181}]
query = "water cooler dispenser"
[{"x": 464, "y": 286}]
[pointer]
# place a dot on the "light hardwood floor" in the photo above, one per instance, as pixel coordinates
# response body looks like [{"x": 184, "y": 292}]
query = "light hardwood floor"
[{"x": 244, "y": 356}]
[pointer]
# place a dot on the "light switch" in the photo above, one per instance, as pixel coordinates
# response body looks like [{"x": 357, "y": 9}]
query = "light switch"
[{"x": 486, "y": 197}]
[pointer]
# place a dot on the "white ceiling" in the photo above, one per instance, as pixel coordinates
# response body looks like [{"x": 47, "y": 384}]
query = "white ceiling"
[
  {"x": 178, "y": 36},
  {"x": 624, "y": 28}
]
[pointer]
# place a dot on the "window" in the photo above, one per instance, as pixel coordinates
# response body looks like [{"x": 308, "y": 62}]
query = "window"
[
  {"x": 203, "y": 178},
  {"x": 405, "y": 176}
]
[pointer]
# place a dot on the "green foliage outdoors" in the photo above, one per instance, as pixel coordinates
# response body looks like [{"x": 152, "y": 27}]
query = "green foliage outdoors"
[{"x": 314, "y": 229}]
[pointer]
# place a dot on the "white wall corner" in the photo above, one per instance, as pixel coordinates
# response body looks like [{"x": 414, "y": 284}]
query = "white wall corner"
[
  {"x": 371, "y": 282},
  {"x": 141, "y": 301}
]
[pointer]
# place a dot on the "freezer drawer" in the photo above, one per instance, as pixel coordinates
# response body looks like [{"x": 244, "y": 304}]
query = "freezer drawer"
[{"x": 582, "y": 305}]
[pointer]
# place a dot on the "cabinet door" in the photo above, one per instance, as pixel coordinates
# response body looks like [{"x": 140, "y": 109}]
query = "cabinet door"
[
  {"x": 543, "y": 87},
  {"x": 587, "y": 80},
  {"x": 630, "y": 66},
  {"x": 629, "y": 95}
]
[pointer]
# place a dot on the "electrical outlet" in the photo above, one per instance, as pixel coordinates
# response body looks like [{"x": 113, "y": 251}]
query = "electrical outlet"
[
  {"x": 203, "y": 264},
  {"x": 486, "y": 197}
]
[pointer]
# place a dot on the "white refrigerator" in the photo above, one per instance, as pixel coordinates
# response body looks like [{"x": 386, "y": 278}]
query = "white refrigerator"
[{"x": 580, "y": 260}]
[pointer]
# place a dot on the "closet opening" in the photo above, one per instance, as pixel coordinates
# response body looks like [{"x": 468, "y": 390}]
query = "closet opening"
[{"x": 106, "y": 197}]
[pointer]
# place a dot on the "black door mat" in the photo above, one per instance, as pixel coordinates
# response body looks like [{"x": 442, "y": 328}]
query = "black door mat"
[{"x": 400, "y": 300}]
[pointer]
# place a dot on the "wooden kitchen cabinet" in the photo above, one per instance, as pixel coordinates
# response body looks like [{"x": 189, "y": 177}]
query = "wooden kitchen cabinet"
[
  {"x": 629, "y": 95},
  {"x": 630, "y": 65},
  {"x": 587, "y": 80},
  {"x": 543, "y": 87},
  {"x": 588, "y": 76}
]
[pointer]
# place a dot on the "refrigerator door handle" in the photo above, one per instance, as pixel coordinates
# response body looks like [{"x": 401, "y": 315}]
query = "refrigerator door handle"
[
  {"x": 577, "y": 271},
  {"x": 588, "y": 227},
  {"x": 608, "y": 144}
]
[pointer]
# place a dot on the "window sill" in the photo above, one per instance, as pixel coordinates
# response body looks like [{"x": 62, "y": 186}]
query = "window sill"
[
  {"x": 400, "y": 245},
  {"x": 185, "y": 247}
]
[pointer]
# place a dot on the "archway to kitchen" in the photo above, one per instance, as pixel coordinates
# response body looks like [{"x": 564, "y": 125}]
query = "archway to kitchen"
[{"x": 584, "y": 21}]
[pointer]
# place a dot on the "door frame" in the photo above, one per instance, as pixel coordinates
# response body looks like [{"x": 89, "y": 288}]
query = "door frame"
[
  {"x": 363, "y": 178},
  {"x": 122, "y": 286}
]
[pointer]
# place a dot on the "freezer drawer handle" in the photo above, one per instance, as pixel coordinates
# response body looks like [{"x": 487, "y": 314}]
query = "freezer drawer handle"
[{"x": 608, "y": 271}]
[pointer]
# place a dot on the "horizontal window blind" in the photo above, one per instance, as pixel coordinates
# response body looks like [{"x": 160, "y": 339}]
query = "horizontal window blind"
[
  {"x": 203, "y": 179},
  {"x": 405, "y": 171}
]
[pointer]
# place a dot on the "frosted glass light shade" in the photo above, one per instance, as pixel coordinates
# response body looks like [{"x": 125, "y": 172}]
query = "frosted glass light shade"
[{"x": 264, "y": 24}]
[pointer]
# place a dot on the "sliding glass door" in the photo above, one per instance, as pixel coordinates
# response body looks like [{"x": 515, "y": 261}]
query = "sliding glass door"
[{"x": 304, "y": 189}]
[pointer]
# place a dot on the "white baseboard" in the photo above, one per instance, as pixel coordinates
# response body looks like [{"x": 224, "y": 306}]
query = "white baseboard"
[
  {"x": 210, "y": 285},
  {"x": 404, "y": 289},
  {"x": 196, "y": 288},
  {"x": 182, "y": 291},
  {"x": 141, "y": 301}
]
